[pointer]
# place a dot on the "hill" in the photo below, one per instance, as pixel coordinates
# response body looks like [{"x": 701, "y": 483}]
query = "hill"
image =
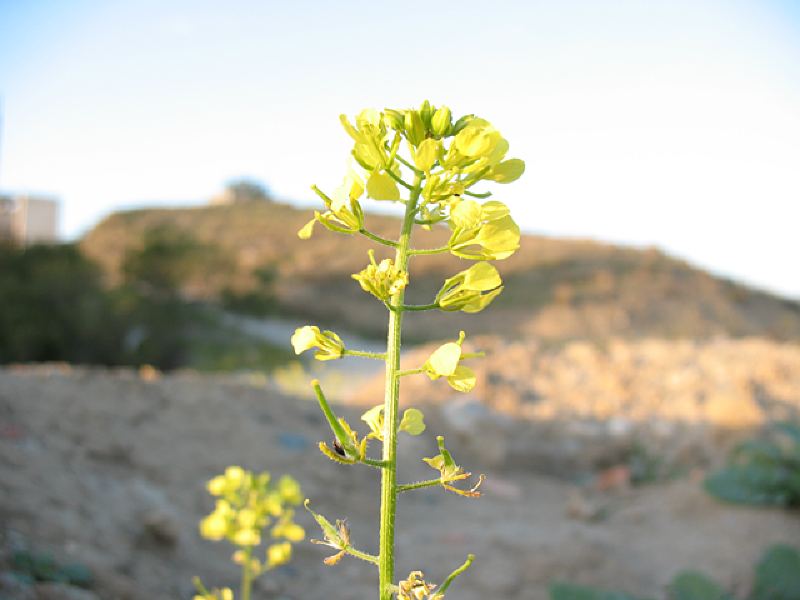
[{"x": 556, "y": 289}]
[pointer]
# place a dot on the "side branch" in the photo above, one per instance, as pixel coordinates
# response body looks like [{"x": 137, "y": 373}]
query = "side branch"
[
  {"x": 411, "y": 307},
  {"x": 399, "y": 180},
  {"x": 363, "y": 354},
  {"x": 377, "y": 238},
  {"x": 407, "y": 487},
  {"x": 370, "y": 558},
  {"x": 410, "y": 372},
  {"x": 413, "y": 168},
  {"x": 476, "y": 195},
  {"x": 422, "y": 251}
]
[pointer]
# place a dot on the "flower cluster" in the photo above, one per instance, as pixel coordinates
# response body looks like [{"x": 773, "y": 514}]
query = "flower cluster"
[
  {"x": 383, "y": 280},
  {"x": 247, "y": 504}
]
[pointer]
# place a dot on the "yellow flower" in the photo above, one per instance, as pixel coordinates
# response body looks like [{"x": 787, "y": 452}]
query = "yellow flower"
[
  {"x": 344, "y": 213},
  {"x": 214, "y": 526},
  {"x": 247, "y": 537},
  {"x": 330, "y": 345},
  {"x": 470, "y": 290},
  {"x": 445, "y": 362},
  {"x": 279, "y": 554},
  {"x": 482, "y": 232}
]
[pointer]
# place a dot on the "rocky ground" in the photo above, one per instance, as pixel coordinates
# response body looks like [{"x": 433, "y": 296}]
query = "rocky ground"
[{"x": 107, "y": 469}]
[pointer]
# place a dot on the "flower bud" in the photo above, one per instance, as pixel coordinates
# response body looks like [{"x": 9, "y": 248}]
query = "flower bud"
[
  {"x": 382, "y": 280},
  {"x": 415, "y": 128},
  {"x": 426, "y": 113},
  {"x": 441, "y": 121},
  {"x": 394, "y": 118}
]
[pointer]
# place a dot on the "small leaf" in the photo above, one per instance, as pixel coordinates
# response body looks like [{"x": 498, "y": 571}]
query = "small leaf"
[
  {"x": 413, "y": 421},
  {"x": 381, "y": 186}
]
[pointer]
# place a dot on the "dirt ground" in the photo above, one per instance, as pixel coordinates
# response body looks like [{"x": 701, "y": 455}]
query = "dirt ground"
[{"x": 107, "y": 468}]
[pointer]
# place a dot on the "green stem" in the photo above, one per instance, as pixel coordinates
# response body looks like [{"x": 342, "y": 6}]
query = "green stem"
[
  {"x": 390, "y": 412},
  {"x": 377, "y": 355},
  {"x": 377, "y": 238},
  {"x": 416, "y": 307},
  {"x": 247, "y": 579}
]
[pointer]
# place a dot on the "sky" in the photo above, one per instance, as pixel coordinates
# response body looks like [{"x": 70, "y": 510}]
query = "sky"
[{"x": 670, "y": 124}]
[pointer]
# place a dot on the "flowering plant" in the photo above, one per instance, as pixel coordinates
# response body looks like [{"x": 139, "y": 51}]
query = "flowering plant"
[{"x": 436, "y": 162}]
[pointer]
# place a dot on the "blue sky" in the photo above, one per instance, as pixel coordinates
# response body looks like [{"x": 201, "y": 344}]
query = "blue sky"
[{"x": 675, "y": 124}]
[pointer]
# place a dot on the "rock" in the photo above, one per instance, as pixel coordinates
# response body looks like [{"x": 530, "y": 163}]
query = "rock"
[
  {"x": 161, "y": 528},
  {"x": 155, "y": 513}
]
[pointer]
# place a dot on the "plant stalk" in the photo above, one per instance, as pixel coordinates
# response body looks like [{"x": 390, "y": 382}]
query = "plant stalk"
[
  {"x": 247, "y": 579},
  {"x": 390, "y": 412}
]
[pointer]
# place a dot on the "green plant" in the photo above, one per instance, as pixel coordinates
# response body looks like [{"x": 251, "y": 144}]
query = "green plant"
[
  {"x": 32, "y": 566},
  {"x": 444, "y": 160},
  {"x": 763, "y": 471},
  {"x": 247, "y": 504},
  {"x": 777, "y": 577}
]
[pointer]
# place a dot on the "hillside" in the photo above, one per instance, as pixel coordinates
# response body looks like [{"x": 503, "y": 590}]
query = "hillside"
[{"x": 557, "y": 289}]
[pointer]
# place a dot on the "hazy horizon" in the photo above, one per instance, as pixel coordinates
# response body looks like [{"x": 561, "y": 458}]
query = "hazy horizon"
[{"x": 675, "y": 126}]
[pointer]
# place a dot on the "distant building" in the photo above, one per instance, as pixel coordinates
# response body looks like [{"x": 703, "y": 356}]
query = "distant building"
[
  {"x": 28, "y": 219},
  {"x": 242, "y": 191}
]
